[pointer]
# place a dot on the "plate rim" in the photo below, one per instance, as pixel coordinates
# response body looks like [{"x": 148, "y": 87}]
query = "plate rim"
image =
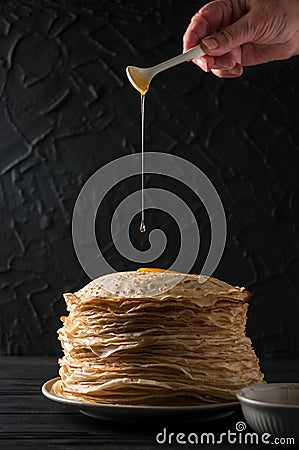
[
  {"x": 241, "y": 395},
  {"x": 210, "y": 407}
]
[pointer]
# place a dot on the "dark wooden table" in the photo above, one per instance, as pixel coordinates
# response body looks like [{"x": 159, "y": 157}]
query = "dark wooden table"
[{"x": 28, "y": 420}]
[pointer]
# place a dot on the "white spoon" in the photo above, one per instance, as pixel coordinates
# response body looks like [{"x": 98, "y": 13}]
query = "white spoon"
[{"x": 141, "y": 77}]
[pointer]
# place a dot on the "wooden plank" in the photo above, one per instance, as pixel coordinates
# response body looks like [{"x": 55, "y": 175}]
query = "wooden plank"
[
  {"x": 14, "y": 386},
  {"x": 79, "y": 423},
  {"x": 31, "y": 404},
  {"x": 77, "y": 429},
  {"x": 26, "y": 367},
  {"x": 79, "y": 444},
  {"x": 72, "y": 426}
]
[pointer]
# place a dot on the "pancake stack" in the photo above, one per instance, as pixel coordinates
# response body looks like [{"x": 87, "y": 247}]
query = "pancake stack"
[{"x": 156, "y": 338}]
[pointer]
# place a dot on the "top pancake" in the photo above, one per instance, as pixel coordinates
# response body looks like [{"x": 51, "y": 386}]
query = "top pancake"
[{"x": 199, "y": 289}]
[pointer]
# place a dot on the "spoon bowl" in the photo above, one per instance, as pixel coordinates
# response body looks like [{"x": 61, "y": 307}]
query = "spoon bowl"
[{"x": 140, "y": 77}]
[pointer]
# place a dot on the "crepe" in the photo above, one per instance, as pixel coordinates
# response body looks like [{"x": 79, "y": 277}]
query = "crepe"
[{"x": 156, "y": 338}]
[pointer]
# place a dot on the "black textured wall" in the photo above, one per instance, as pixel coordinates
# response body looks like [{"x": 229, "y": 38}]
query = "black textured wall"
[{"x": 67, "y": 109}]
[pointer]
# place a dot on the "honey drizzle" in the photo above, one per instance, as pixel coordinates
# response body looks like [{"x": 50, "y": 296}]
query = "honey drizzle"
[{"x": 142, "y": 223}]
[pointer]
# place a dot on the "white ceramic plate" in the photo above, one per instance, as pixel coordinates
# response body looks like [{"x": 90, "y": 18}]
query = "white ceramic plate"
[{"x": 126, "y": 413}]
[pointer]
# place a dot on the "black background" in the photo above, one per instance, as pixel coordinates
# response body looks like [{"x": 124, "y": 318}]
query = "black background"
[{"x": 67, "y": 109}]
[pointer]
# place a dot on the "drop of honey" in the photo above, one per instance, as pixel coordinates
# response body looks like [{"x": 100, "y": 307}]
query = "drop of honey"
[{"x": 142, "y": 227}]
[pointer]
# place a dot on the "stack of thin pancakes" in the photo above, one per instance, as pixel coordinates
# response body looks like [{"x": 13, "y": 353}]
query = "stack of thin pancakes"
[{"x": 156, "y": 338}]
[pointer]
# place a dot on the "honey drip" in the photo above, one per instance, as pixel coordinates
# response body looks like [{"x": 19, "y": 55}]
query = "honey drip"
[
  {"x": 142, "y": 223},
  {"x": 142, "y": 227}
]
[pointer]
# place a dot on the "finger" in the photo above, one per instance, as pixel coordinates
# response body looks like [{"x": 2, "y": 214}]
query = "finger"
[
  {"x": 226, "y": 62},
  {"x": 237, "y": 55},
  {"x": 197, "y": 29},
  {"x": 219, "y": 14},
  {"x": 204, "y": 62},
  {"x": 229, "y": 38},
  {"x": 211, "y": 17},
  {"x": 237, "y": 71}
]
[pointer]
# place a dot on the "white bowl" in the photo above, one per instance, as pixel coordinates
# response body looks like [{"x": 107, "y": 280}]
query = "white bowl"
[{"x": 272, "y": 408}]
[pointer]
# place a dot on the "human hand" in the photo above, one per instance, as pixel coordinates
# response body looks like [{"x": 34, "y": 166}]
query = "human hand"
[{"x": 238, "y": 33}]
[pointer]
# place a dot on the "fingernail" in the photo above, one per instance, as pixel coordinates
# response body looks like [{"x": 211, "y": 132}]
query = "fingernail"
[{"x": 210, "y": 43}]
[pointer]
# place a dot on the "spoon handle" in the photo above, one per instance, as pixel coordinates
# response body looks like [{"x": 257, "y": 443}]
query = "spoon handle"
[{"x": 194, "y": 52}]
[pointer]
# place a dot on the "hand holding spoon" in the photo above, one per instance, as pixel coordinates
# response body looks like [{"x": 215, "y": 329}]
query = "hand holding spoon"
[{"x": 141, "y": 77}]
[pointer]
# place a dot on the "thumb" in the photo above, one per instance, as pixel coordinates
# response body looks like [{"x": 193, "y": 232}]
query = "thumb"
[{"x": 229, "y": 38}]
